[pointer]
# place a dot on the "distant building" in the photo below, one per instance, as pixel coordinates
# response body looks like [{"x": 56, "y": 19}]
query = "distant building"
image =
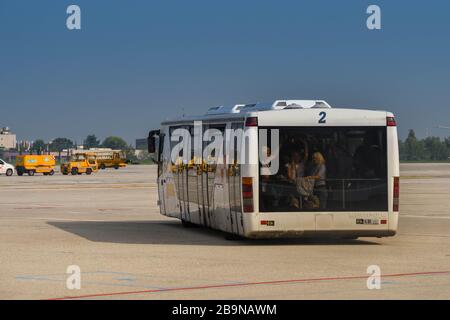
[
  {"x": 7, "y": 139},
  {"x": 141, "y": 144}
]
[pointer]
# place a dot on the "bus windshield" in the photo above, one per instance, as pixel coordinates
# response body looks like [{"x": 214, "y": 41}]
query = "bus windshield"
[{"x": 326, "y": 169}]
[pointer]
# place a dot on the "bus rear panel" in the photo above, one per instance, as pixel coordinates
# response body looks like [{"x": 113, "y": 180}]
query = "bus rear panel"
[{"x": 355, "y": 194}]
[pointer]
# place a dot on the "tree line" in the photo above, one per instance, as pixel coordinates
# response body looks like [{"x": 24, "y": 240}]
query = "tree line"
[
  {"x": 59, "y": 144},
  {"x": 428, "y": 149}
]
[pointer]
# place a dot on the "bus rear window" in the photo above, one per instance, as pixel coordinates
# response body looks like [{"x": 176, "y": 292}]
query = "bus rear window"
[{"x": 327, "y": 169}]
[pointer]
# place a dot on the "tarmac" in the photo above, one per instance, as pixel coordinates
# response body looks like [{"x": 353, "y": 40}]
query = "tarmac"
[{"x": 109, "y": 225}]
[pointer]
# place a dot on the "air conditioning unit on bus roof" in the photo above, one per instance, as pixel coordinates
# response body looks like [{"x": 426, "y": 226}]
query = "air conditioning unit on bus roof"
[
  {"x": 277, "y": 105},
  {"x": 291, "y": 104}
]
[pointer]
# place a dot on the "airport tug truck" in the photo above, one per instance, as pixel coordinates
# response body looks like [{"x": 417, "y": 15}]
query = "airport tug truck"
[
  {"x": 80, "y": 163},
  {"x": 32, "y": 164}
]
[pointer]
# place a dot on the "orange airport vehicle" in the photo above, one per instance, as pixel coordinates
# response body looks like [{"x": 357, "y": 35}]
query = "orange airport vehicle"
[{"x": 32, "y": 164}]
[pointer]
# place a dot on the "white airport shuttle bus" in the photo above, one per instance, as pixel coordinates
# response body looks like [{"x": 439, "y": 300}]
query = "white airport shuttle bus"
[{"x": 307, "y": 170}]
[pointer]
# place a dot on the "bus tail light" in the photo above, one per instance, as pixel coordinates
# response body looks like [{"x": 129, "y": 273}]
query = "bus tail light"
[
  {"x": 390, "y": 122},
  {"x": 396, "y": 201},
  {"x": 251, "y": 122},
  {"x": 247, "y": 194}
]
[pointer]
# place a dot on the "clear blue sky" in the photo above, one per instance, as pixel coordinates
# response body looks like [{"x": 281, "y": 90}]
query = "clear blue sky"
[{"x": 135, "y": 63}]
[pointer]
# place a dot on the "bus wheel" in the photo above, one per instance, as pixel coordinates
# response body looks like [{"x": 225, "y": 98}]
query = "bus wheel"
[
  {"x": 45, "y": 173},
  {"x": 187, "y": 224},
  {"x": 88, "y": 171},
  {"x": 102, "y": 166},
  {"x": 349, "y": 238},
  {"x": 31, "y": 172},
  {"x": 116, "y": 167},
  {"x": 233, "y": 237},
  {"x": 9, "y": 172},
  {"x": 51, "y": 172},
  {"x": 20, "y": 173},
  {"x": 74, "y": 171}
]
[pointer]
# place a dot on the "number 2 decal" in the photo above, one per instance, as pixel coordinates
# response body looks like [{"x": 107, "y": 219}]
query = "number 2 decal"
[{"x": 323, "y": 116}]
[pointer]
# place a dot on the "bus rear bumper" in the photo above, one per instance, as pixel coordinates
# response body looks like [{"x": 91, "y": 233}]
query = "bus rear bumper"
[{"x": 336, "y": 234}]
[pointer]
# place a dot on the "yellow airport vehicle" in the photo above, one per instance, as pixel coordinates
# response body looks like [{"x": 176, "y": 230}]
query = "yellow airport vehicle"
[
  {"x": 32, "y": 164},
  {"x": 114, "y": 160},
  {"x": 80, "y": 163},
  {"x": 108, "y": 158}
]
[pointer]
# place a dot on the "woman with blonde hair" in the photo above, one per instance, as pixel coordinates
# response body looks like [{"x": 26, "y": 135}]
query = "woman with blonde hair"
[{"x": 319, "y": 174}]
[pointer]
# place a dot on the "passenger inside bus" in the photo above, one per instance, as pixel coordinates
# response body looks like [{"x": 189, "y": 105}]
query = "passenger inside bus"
[
  {"x": 297, "y": 162},
  {"x": 346, "y": 171},
  {"x": 367, "y": 158},
  {"x": 319, "y": 174}
]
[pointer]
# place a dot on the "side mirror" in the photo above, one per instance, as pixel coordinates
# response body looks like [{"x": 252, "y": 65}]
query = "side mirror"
[{"x": 151, "y": 140}]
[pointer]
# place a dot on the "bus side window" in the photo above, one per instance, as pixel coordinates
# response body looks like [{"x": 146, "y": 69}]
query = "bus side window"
[{"x": 221, "y": 128}]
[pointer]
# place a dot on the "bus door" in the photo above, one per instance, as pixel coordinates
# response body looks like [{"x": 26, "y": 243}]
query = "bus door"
[
  {"x": 205, "y": 199},
  {"x": 183, "y": 180},
  {"x": 210, "y": 175},
  {"x": 234, "y": 180},
  {"x": 223, "y": 187},
  {"x": 161, "y": 178},
  {"x": 193, "y": 180},
  {"x": 177, "y": 168},
  {"x": 207, "y": 185},
  {"x": 171, "y": 204},
  {"x": 198, "y": 163},
  {"x": 200, "y": 195}
]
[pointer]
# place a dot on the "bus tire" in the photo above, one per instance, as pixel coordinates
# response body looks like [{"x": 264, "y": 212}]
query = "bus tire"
[
  {"x": 20, "y": 173},
  {"x": 9, "y": 172},
  {"x": 349, "y": 238},
  {"x": 102, "y": 166},
  {"x": 31, "y": 173},
  {"x": 187, "y": 224},
  {"x": 233, "y": 237},
  {"x": 74, "y": 171},
  {"x": 52, "y": 172},
  {"x": 88, "y": 171},
  {"x": 116, "y": 167}
]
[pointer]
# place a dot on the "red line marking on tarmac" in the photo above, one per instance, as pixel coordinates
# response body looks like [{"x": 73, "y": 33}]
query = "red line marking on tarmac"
[{"x": 247, "y": 284}]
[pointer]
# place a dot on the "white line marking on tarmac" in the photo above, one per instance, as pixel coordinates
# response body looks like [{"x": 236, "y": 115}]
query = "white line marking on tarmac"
[
  {"x": 63, "y": 219},
  {"x": 423, "y": 217}
]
